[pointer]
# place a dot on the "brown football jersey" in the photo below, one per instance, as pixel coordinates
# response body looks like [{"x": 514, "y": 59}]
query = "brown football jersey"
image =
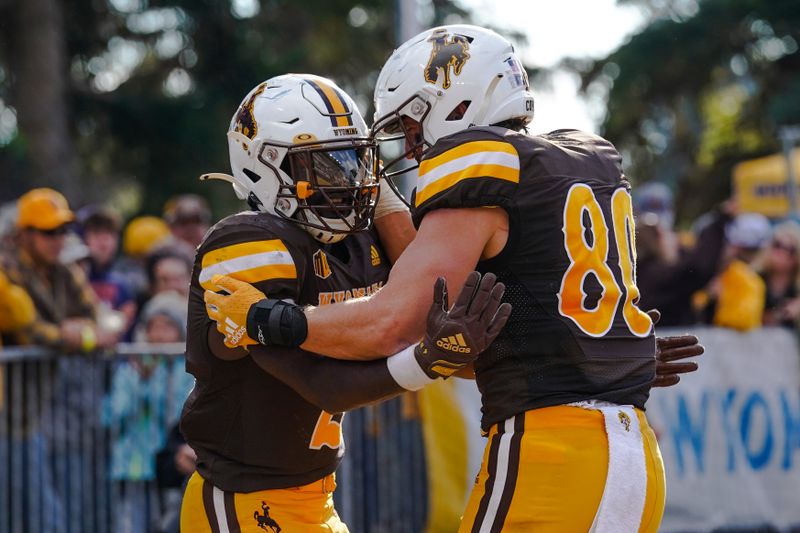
[
  {"x": 575, "y": 332},
  {"x": 251, "y": 431}
]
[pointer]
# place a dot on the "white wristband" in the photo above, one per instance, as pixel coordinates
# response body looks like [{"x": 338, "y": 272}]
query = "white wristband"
[
  {"x": 406, "y": 371},
  {"x": 388, "y": 202}
]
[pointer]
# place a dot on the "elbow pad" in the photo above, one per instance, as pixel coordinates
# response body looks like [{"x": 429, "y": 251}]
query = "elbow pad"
[{"x": 277, "y": 323}]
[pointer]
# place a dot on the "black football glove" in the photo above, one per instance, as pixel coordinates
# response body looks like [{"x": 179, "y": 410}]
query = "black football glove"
[
  {"x": 670, "y": 355},
  {"x": 455, "y": 337}
]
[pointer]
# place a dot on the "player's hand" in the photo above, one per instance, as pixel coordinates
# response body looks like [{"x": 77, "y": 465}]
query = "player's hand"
[
  {"x": 670, "y": 353},
  {"x": 230, "y": 310},
  {"x": 454, "y": 337}
]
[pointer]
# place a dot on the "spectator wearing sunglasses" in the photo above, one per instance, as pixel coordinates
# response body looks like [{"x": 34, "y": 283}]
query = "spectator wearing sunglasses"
[
  {"x": 65, "y": 304},
  {"x": 779, "y": 266}
]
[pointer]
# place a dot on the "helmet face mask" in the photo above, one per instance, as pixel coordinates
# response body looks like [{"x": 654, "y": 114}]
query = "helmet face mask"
[
  {"x": 395, "y": 126},
  {"x": 335, "y": 185},
  {"x": 299, "y": 149}
]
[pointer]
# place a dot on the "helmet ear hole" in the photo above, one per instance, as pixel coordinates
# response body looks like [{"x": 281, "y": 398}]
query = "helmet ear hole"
[
  {"x": 252, "y": 175},
  {"x": 458, "y": 111}
]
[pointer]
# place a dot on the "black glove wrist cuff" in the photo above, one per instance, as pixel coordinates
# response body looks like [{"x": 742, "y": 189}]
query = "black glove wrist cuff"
[
  {"x": 277, "y": 323},
  {"x": 433, "y": 366}
]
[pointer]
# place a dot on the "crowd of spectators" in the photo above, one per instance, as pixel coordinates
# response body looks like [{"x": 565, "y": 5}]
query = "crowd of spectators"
[
  {"x": 732, "y": 269},
  {"x": 78, "y": 282}
]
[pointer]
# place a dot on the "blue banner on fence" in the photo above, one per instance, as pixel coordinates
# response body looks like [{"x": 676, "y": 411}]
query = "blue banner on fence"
[{"x": 730, "y": 433}]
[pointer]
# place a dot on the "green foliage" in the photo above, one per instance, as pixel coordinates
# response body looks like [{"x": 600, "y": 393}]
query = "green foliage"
[
  {"x": 705, "y": 85},
  {"x": 154, "y": 84}
]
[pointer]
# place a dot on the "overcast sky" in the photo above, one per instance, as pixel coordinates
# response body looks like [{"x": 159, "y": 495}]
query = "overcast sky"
[{"x": 558, "y": 29}]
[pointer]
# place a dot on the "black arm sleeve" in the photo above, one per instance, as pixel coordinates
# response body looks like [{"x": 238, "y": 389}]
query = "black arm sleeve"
[{"x": 332, "y": 385}]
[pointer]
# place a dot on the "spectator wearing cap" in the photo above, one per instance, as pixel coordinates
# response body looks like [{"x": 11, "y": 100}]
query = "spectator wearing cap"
[
  {"x": 65, "y": 304},
  {"x": 736, "y": 297},
  {"x": 189, "y": 218},
  {"x": 100, "y": 227},
  {"x": 779, "y": 266},
  {"x": 142, "y": 237}
]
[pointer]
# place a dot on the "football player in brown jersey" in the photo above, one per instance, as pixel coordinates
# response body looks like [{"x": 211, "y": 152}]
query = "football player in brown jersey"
[
  {"x": 268, "y": 434},
  {"x": 564, "y": 385}
]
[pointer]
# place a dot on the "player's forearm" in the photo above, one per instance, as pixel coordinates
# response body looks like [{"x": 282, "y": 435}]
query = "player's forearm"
[
  {"x": 361, "y": 329},
  {"x": 332, "y": 385}
]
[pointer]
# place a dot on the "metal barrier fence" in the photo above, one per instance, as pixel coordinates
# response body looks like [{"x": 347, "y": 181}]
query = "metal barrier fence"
[{"x": 79, "y": 434}]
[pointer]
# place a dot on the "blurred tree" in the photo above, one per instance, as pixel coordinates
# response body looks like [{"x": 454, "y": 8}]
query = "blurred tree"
[
  {"x": 140, "y": 92},
  {"x": 704, "y": 85}
]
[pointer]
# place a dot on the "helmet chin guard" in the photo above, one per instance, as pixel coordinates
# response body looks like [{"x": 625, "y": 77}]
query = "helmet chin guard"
[{"x": 299, "y": 149}]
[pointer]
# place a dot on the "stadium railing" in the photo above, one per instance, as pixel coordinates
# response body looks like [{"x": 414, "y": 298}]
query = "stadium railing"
[{"x": 79, "y": 434}]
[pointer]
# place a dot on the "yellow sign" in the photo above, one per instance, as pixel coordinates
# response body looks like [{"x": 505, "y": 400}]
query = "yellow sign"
[{"x": 760, "y": 185}]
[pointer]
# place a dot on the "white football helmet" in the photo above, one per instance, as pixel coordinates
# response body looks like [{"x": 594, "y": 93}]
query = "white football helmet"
[
  {"x": 448, "y": 79},
  {"x": 299, "y": 149}
]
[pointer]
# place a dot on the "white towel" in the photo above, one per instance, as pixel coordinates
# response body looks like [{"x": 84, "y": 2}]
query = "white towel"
[{"x": 624, "y": 495}]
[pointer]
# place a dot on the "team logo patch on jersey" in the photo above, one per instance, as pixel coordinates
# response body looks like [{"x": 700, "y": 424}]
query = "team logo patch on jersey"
[
  {"x": 264, "y": 520},
  {"x": 374, "y": 255},
  {"x": 625, "y": 420},
  {"x": 245, "y": 122},
  {"x": 321, "y": 267},
  {"x": 454, "y": 344},
  {"x": 446, "y": 54}
]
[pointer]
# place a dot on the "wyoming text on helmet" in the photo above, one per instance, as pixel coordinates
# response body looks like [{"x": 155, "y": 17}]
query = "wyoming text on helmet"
[
  {"x": 299, "y": 149},
  {"x": 444, "y": 80}
]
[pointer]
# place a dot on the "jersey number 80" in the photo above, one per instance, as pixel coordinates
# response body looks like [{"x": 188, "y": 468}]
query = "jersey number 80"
[{"x": 592, "y": 258}]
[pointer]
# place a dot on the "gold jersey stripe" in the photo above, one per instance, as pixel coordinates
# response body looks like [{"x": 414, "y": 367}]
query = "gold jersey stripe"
[
  {"x": 248, "y": 261},
  {"x": 471, "y": 172},
  {"x": 254, "y": 275},
  {"x": 464, "y": 150},
  {"x": 239, "y": 250}
]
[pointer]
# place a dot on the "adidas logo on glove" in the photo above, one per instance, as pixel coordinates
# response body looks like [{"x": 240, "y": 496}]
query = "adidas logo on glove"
[{"x": 454, "y": 344}]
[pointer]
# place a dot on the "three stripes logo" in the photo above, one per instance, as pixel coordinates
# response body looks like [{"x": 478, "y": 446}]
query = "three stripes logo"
[
  {"x": 321, "y": 267},
  {"x": 374, "y": 255},
  {"x": 454, "y": 343}
]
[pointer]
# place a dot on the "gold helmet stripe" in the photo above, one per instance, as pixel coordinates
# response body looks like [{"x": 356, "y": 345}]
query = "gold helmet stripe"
[{"x": 340, "y": 113}]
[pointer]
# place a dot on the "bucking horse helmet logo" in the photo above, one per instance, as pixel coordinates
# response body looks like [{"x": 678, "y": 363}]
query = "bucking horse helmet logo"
[
  {"x": 245, "y": 121},
  {"x": 446, "y": 54},
  {"x": 265, "y": 521}
]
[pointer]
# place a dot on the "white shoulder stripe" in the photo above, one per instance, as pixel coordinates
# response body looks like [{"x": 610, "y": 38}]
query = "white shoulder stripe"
[
  {"x": 503, "y": 159},
  {"x": 246, "y": 262}
]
